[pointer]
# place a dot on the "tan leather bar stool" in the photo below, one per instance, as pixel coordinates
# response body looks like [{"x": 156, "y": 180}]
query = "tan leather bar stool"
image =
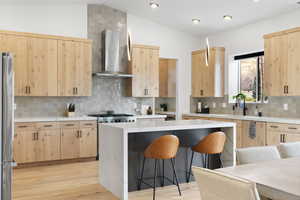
[
  {"x": 211, "y": 144},
  {"x": 163, "y": 148}
]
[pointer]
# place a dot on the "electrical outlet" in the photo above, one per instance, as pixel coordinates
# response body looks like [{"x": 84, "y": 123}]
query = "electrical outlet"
[
  {"x": 224, "y": 105},
  {"x": 214, "y": 105},
  {"x": 285, "y": 106}
]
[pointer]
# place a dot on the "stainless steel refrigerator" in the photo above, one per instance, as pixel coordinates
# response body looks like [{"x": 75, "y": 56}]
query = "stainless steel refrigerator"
[{"x": 6, "y": 125}]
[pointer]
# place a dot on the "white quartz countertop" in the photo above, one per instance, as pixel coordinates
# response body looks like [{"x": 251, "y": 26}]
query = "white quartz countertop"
[
  {"x": 150, "y": 116},
  {"x": 248, "y": 118},
  {"x": 150, "y": 126},
  {"x": 54, "y": 119}
]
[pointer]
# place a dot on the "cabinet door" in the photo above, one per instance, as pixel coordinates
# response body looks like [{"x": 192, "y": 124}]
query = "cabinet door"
[
  {"x": 70, "y": 143},
  {"x": 139, "y": 69},
  {"x": 197, "y": 61},
  {"x": 172, "y": 65},
  {"x": 51, "y": 144},
  {"x": 255, "y": 138},
  {"x": 17, "y": 45},
  {"x": 293, "y": 67},
  {"x": 152, "y": 73},
  {"x": 208, "y": 75},
  {"x": 292, "y": 137},
  {"x": 83, "y": 61},
  {"x": 88, "y": 142},
  {"x": 25, "y": 147},
  {"x": 274, "y": 137},
  {"x": 42, "y": 64},
  {"x": 275, "y": 67},
  {"x": 163, "y": 77},
  {"x": 68, "y": 69}
]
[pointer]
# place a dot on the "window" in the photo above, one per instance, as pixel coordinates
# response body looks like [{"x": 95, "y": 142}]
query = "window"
[{"x": 248, "y": 76}]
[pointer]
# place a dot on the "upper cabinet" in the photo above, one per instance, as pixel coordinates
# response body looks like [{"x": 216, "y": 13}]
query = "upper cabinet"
[
  {"x": 74, "y": 68},
  {"x": 167, "y": 77},
  {"x": 42, "y": 67},
  {"x": 144, "y": 66},
  {"x": 208, "y": 75},
  {"x": 47, "y": 65},
  {"x": 282, "y": 63}
]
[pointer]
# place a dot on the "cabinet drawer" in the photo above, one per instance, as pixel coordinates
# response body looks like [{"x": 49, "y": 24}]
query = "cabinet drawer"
[
  {"x": 70, "y": 125},
  {"x": 25, "y": 126},
  {"x": 47, "y": 125},
  {"x": 292, "y": 128},
  {"x": 276, "y": 127},
  {"x": 88, "y": 124}
]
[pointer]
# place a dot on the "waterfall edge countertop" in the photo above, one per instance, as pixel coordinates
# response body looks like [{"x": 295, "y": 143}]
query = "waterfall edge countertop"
[
  {"x": 114, "y": 144},
  {"x": 246, "y": 118},
  {"x": 150, "y": 126}
]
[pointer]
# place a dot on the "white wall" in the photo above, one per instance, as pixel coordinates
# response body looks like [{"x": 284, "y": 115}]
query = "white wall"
[
  {"x": 249, "y": 38},
  {"x": 54, "y": 19},
  {"x": 173, "y": 44}
]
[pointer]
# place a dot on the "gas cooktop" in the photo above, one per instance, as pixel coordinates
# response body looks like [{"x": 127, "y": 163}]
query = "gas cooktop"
[{"x": 114, "y": 118}]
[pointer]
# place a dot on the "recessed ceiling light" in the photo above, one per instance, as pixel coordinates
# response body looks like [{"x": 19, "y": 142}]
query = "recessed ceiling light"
[
  {"x": 227, "y": 17},
  {"x": 153, "y": 5},
  {"x": 255, "y": 1},
  {"x": 196, "y": 21}
]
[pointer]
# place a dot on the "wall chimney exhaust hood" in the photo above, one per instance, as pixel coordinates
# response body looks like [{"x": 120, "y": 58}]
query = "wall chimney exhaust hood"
[{"x": 111, "y": 57}]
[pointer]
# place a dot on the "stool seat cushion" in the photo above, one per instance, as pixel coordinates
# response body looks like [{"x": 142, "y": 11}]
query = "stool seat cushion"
[
  {"x": 165, "y": 147},
  {"x": 289, "y": 150},
  {"x": 211, "y": 144}
]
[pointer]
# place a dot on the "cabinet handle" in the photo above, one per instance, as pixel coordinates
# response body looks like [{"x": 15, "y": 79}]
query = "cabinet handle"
[
  {"x": 22, "y": 126},
  {"x": 26, "y": 89},
  {"x": 29, "y": 90},
  {"x": 47, "y": 126},
  {"x": 274, "y": 126},
  {"x": 76, "y": 90},
  {"x": 88, "y": 124},
  {"x": 292, "y": 128},
  {"x": 284, "y": 89},
  {"x": 37, "y": 136},
  {"x": 201, "y": 92},
  {"x": 69, "y": 125},
  {"x": 80, "y": 133},
  {"x": 287, "y": 89},
  {"x": 281, "y": 138}
]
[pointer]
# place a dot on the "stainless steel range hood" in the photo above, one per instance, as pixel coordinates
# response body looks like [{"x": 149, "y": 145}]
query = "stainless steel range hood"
[{"x": 111, "y": 51}]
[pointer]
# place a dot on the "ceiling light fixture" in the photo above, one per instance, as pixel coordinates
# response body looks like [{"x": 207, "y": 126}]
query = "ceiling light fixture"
[
  {"x": 196, "y": 21},
  {"x": 227, "y": 17},
  {"x": 153, "y": 4},
  {"x": 256, "y": 1}
]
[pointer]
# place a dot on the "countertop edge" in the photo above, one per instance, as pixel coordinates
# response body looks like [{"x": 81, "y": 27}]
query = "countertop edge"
[{"x": 246, "y": 118}]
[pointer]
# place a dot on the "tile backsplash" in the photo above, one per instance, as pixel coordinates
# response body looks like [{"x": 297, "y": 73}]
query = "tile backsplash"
[{"x": 274, "y": 108}]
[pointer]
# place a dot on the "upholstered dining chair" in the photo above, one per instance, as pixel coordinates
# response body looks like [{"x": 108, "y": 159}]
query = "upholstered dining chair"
[
  {"x": 215, "y": 185},
  {"x": 257, "y": 154},
  {"x": 289, "y": 150}
]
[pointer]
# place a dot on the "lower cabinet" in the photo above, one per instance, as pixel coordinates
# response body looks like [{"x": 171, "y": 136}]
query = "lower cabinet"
[
  {"x": 282, "y": 133},
  {"x": 253, "y": 134},
  {"x": 50, "y": 141}
]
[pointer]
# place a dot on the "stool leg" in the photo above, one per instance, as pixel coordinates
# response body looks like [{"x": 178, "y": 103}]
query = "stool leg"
[
  {"x": 207, "y": 161},
  {"x": 221, "y": 163},
  {"x": 154, "y": 184},
  {"x": 163, "y": 173},
  {"x": 190, "y": 168},
  {"x": 142, "y": 174},
  {"x": 174, "y": 171}
]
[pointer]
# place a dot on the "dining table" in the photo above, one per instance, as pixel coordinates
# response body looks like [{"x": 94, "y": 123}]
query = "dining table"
[{"x": 276, "y": 179}]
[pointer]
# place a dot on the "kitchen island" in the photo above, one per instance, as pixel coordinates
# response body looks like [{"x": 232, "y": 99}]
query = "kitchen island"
[{"x": 121, "y": 146}]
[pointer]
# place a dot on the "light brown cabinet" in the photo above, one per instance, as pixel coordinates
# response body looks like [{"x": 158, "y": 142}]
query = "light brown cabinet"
[
  {"x": 281, "y": 133},
  {"x": 144, "y": 66},
  {"x": 17, "y": 45},
  {"x": 167, "y": 77},
  {"x": 50, "y": 141},
  {"x": 74, "y": 68},
  {"x": 44, "y": 68},
  {"x": 208, "y": 76},
  {"x": 253, "y": 136},
  {"x": 281, "y": 68}
]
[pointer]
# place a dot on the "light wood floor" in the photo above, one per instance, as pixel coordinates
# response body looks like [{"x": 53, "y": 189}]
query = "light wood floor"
[{"x": 80, "y": 181}]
